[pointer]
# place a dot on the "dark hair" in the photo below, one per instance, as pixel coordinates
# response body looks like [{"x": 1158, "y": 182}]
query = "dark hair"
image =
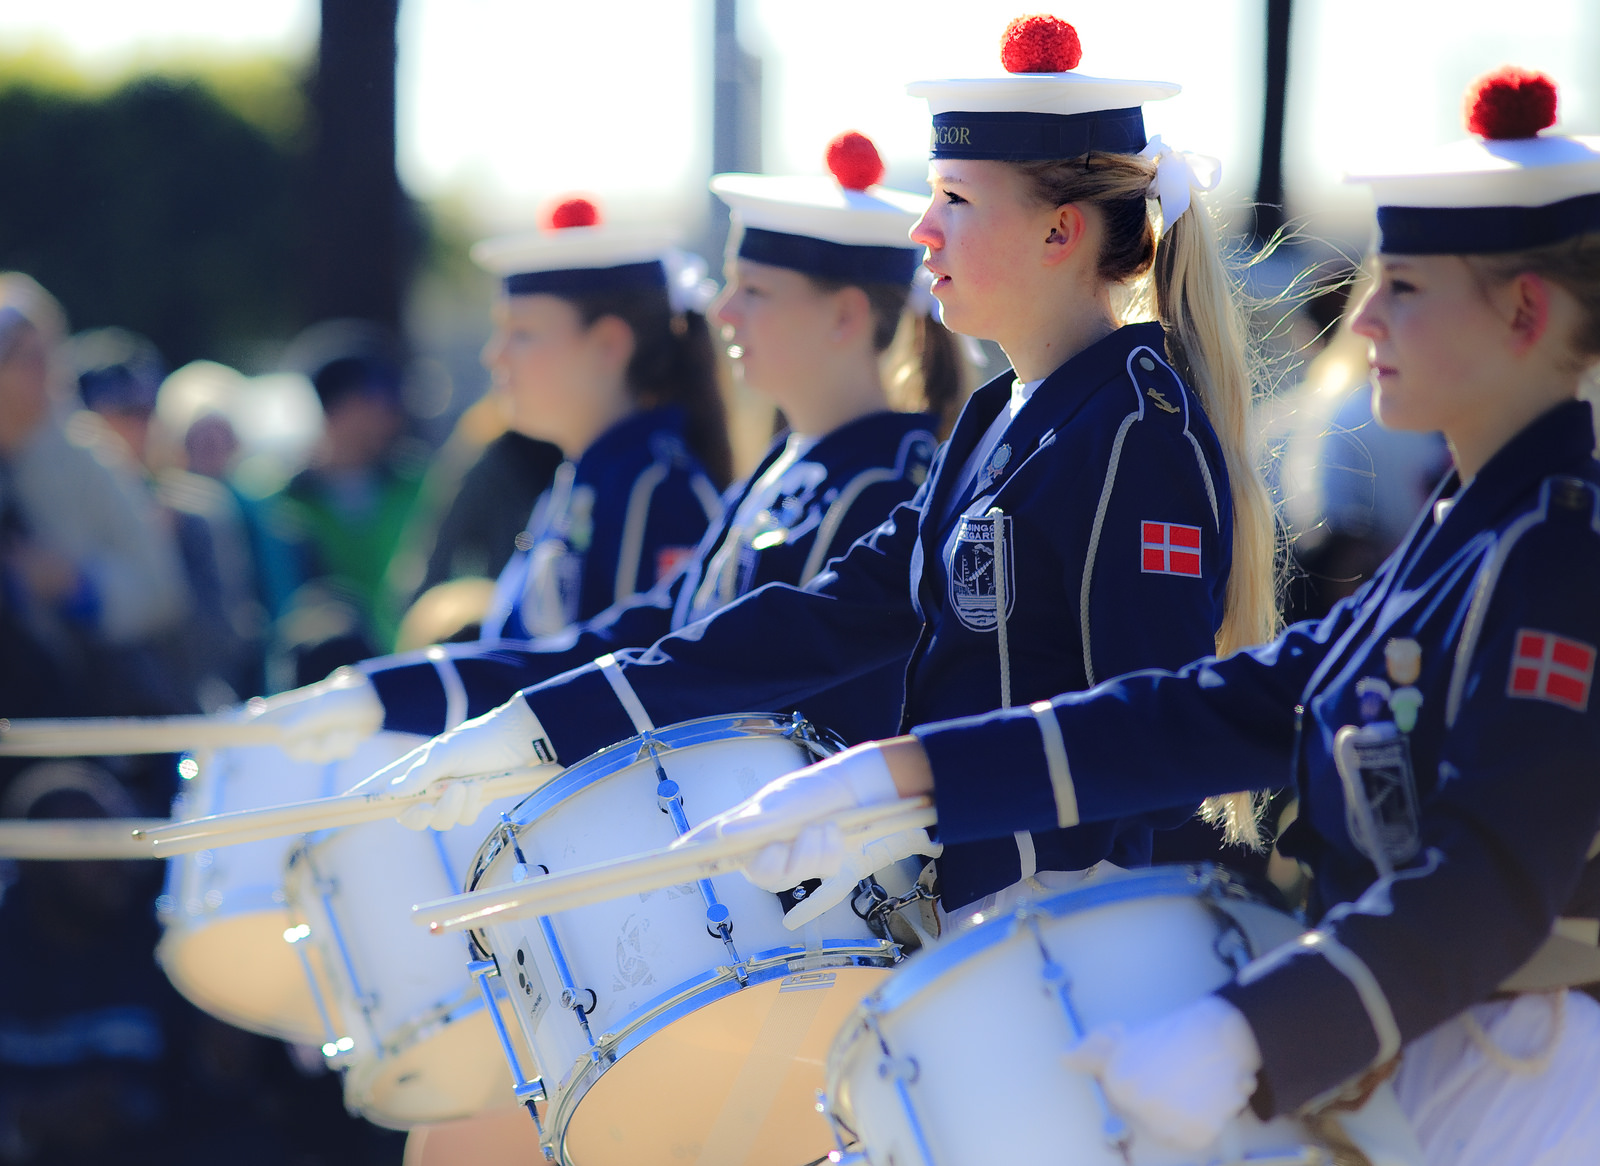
[
  {"x": 938, "y": 379},
  {"x": 118, "y": 370},
  {"x": 673, "y": 364}
]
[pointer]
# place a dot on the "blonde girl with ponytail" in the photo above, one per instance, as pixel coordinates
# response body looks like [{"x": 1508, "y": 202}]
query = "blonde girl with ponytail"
[{"x": 1096, "y": 509}]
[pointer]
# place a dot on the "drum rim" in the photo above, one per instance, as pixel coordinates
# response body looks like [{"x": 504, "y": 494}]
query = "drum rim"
[
  {"x": 917, "y": 974},
  {"x": 614, "y": 758},
  {"x": 688, "y": 997}
]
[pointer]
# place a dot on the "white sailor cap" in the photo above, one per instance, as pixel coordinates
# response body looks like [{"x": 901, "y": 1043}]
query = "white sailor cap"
[
  {"x": 577, "y": 254},
  {"x": 1040, "y": 110},
  {"x": 1506, "y": 189},
  {"x": 846, "y": 227}
]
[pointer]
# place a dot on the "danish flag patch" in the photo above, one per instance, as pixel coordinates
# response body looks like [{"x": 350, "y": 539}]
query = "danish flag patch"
[
  {"x": 1549, "y": 667},
  {"x": 671, "y": 560},
  {"x": 1169, "y": 548}
]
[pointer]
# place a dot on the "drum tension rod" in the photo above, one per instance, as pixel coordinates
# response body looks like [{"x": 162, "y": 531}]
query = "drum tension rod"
[
  {"x": 527, "y": 1090},
  {"x": 903, "y": 1071},
  {"x": 719, "y": 920},
  {"x": 571, "y": 994},
  {"x": 1116, "y": 1131}
]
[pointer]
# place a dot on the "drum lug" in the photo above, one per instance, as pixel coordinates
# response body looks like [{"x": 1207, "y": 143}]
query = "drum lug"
[
  {"x": 892, "y": 1068},
  {"x": 531, "y": 1090},
  {"x": 1232, "y": 947},
  {"x": 898, "y": 1069}
]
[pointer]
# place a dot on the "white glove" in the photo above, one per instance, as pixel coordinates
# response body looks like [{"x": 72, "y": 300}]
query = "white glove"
[
  {"x": 509, "y": 737},
  {"x": 325, "y": 721},
  {"x": 821, "y": 852},
  {"x": 806, "y": 798},
  {"x": 1182, "y": 1077}
]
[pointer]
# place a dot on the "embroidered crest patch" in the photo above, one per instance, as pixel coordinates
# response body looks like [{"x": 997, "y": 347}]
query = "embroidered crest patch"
[
  {"x": 1545, "y": 666},
  {"x": 1169, "y": 548},
  {"x": 969, "y": 563}
]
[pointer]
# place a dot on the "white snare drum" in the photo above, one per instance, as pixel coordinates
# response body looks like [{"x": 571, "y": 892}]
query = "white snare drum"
[
  {"x": 223, "y": 911},
  {"x": 957, "y": 1058},
  {"x": 408, "y": 1026},
  {"x": 683, "y": 1025}
]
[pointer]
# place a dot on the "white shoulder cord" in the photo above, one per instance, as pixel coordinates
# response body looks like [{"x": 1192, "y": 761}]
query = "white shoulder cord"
[
  {"x": 1027, "y": 856},
  {"x": 998, "y": 516}
]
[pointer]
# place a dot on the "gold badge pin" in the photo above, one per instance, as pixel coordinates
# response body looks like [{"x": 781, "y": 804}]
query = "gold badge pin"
[{"x": 1162, "y": 403}]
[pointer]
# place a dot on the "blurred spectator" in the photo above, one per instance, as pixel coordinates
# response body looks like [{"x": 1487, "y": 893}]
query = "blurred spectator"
[
  {"x": 90, "y": 570},
  {"x": 101, "y": 1061},
  {"x": 84, "y": 1024},
  {"x": 216, "y": 651},
  {"x": 349, "y": 507}
]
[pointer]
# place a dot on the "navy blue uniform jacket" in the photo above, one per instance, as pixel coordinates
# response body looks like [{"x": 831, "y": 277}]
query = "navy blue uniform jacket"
[
  {"x": 621, "y": 519},
  {"x": 839, "y": 490},
  {"x": 1116, "y": 537},
  {"x": 1487, "y": 834}
]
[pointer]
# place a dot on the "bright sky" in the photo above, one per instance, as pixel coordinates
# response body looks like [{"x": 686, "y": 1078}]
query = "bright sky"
[{"x": 504, "y": 103}]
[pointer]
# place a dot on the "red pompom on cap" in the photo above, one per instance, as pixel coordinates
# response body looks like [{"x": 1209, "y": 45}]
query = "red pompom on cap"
[
  {"x": 1510, "y": 103},
  {"x": 573, "y": 212},
  {"x": 1040, "y": 44},
  {"x": 854, "y": 161}
]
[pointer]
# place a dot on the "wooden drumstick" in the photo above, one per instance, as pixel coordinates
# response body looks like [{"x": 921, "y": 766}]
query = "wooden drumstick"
[
  {"x": 669, "y": 866},
  {"x": 76, "y": 839},
  {"x": 115, "y": 736},
  {"x": 240, "y": 826}
]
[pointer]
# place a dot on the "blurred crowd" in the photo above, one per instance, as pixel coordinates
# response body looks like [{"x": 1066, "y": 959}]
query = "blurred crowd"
[{"x": 177, "y": 541}]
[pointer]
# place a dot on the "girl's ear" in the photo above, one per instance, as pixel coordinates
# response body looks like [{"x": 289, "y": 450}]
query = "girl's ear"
[
  {"x": 614, "y": 343},
  {"x": 852, "y": 313},
  {"x": 1066, "y": 230},
  {"x": 1527, "y": 297}
]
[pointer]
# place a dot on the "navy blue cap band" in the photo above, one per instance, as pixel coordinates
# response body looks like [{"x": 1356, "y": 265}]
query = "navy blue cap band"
[
  {"x": 1037, "y": 137},
  {"x": 1483, "y": 230},
  {"x": 581, "y": 281},
  {"x": 842, "y": 261}
]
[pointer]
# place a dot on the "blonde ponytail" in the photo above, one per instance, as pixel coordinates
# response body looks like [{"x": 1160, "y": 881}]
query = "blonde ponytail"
[
  {"x": 1194, "y": 296},
  {"x": 1197, "y": 303}
]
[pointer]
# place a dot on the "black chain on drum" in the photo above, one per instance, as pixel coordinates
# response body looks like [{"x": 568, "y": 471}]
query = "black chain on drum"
[{"x": 874, "y": 905}]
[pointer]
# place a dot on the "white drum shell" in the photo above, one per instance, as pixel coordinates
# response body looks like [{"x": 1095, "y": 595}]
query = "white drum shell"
[
  {"x": 224, "y": 913},
  {"x": 649, "y": 959},
  {"x": 418, "y": 1044},
  {"x": 976, "y": 1033}
]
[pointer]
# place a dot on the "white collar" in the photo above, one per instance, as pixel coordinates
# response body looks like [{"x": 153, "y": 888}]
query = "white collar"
[{"x": 1021, "y": 392}]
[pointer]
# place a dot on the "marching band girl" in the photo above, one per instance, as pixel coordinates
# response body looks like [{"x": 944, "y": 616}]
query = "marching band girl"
[
  {"x": 818, "y": 283},
  {"x": 600, "y": 346},
  {"x": 818, "y": 286},
  {"x": 1440, "y": 724},
  {"x": 1095, "y": 510}
]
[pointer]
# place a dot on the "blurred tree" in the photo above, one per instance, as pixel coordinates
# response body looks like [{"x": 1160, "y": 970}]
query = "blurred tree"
[
  {"x": 362, "y": 231},
  {"x": 159, "y": 205}
]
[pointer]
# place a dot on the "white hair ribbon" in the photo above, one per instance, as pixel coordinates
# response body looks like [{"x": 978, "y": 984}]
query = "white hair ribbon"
[
  {"x": 688, "y": 288},
  {"x": 1177, "y": 173}
]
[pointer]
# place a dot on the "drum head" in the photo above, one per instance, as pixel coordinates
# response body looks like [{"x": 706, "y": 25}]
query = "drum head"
[
  {"x": 501, "y": 1136},
  {"x": 734, "y": 1082},
  {"x": 241, "y": 970},
  {"x": 455, "y": 1072}
]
